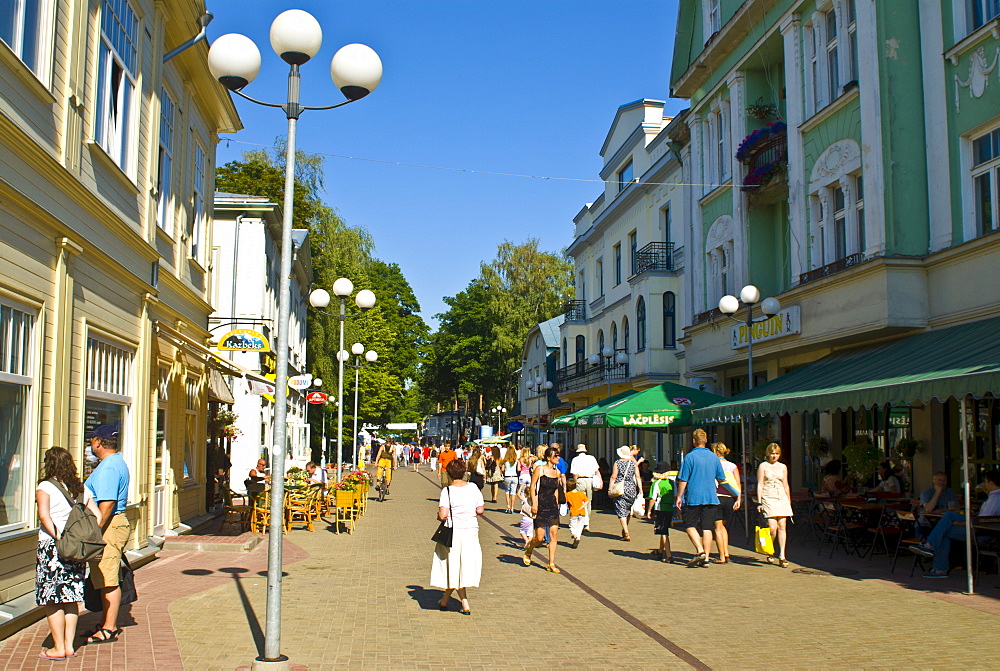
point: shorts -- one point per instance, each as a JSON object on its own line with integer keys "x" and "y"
{"x": 726, "y": 503}
{"x": 510, "y": 484}
{"x": 104, "y": 573}
{"x": 661, "y": 521}
{"x": 527, "y": 526}
{"x": 524, "y": 480}
{"x": 702, "y": 518}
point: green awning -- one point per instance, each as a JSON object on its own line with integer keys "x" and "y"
{"x": 572, "y": 419}
{"x": 939, "y": 364}
{"x": 657, "y": 408}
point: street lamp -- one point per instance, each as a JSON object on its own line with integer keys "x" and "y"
{"x": 365, "y": 300}
{"x": 729, "y": 305}
{"x": 607, "y": 353}
{"x": 540, "y": 386}
{"x": 356, "y": 70}
{"x": 371, "y": 356}
{"x": 499, "y": 410}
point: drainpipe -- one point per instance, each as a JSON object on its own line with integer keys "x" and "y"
{"x": 203, "y": 21}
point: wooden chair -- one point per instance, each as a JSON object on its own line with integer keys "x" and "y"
{"x": 300, "y": 506}
{"x": 344, "y": 509}
{"x": 260, "y": 520}
{"x": 907, "y": 523}
{"x": 990, "y": 547}
{"x": 238, "y": 515}
{"x": 844, "y": 530}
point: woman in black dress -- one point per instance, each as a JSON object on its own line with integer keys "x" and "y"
{"x": 624, "y": 471}
{"x": 547, "y": 491}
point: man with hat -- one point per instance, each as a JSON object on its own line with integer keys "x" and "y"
{"x": 584, "y": 467}
{"x": 108, "y": 484}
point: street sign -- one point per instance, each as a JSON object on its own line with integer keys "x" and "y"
{"x": 515, "y": 426}
{"x": 316, "y": 397}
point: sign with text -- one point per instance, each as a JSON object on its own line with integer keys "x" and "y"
{"x": 899, "y": 417}
{"x": 316, "y": 397}
{"x": 300, "y": 381}
{"x": 785, "y": 323}
{"x": 244, "y": 340}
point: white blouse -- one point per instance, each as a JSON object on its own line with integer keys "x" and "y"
{"x": 59, "y": 507}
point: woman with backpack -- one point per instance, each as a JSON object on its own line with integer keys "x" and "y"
{"x": 58, "y": 581}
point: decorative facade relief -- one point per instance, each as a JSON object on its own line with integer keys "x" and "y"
{"x": 979, "y": 75}
{"x": 840, "y": 158}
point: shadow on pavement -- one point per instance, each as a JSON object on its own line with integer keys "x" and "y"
{"x": 251, "y": 615}
{"x": 427, "y": 599}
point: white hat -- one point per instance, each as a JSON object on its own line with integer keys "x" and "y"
{"x": 624, "y": 452}
{"x": 581, "y": 448}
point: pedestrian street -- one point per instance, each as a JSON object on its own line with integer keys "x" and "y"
{"x": 360, "y": 601}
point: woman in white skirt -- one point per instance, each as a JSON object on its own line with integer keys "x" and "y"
{"x": 459, "y": 566}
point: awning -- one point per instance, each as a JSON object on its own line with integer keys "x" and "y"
{"x": 572, "y": 419}
{"x": 657, "y": 408}
{"x": 940, "y": 364}
{"x": 218, "y": 388}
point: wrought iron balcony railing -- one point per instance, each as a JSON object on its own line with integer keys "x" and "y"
{"x": 831, "y": 268}
{"x": 582, "y": 374}
{"x": 655, "y": 256}
{"x": 575, "y": 310}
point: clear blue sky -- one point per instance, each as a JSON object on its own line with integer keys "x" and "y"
{"x": 509, "y": 86}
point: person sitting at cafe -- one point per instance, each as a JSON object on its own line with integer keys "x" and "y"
{"x": 938, "y": 544}
{"x": 316, "y": 474}
{"x": 939, "y": 496}
{"x": 888, "y": 481}
{"x": 258, "y": 476}
{"x": 832, "y": 484}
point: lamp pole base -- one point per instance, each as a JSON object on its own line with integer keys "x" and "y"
{"x": 280, "y": 664}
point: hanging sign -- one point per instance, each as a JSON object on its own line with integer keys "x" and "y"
{"x": 300, "y": 381}
{"x": 785, "y": 323}
{"x": 514, "y": 426}
{"x": 244, "y": 340}
{"x": 316, "y": 397}
{"x": 899, "y": 417}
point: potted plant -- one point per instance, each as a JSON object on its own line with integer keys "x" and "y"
{"x": 817, "y": 446}
{"x": 760, "y": 446}
{"x": 906, "y": 448}
{"x": 862, "y": 460}
{"x": 762, "y": 110}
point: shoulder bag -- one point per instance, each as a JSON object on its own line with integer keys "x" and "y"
{"x": 443, "y": 535}
{"x": 81, "y": 538}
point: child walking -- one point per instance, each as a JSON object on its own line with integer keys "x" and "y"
{"x": 661, "y": 493}
{"x": 578, "y": 518}
{"x": 527, "y": 526}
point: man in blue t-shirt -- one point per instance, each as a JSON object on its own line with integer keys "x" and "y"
{"x": 562, "y": 466}
{"x": 697, "y": 501}
{"x": 108, "y": 484}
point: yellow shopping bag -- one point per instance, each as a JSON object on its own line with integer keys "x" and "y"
{"x": 762, "y": 541}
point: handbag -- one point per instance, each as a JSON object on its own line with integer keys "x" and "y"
{"x": 762, "y": 540}
{"x": 444, "y": 534}
{"x": 616, "y": 489}
{"x": 126, "y": 581}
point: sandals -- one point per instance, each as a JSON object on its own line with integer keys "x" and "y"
{"x": 44, "y": 654}
{"x": 771, "y": 559}
{"x": 107, "y": 636}
{"x": 551, "y": 568}
{"x": 783, "y": 563}
{"x": 526, "y": 559}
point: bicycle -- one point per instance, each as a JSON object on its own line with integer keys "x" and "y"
{"x": 382, "y": 484}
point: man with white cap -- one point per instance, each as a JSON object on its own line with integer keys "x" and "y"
{"x": 584, "y": 467}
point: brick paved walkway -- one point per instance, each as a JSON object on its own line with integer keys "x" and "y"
{"x": 360, "y": 601}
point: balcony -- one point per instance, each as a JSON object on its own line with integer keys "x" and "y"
{"x": 582, "y": 374}
{"x": 765, "y": 153}
{"x": 575, "y": 310}
{"x": 705, "y": 316}
{"x": 654, "y": 256}
{"x": 831, "y": 268}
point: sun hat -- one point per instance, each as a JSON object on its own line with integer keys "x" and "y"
{"x": 581, "y": 448}
{"x": 624, "y": 452}
{"x": 660, "y": 470}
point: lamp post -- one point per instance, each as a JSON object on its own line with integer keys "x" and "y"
{"x": 318, "y": 384}
{"x": 356, "y": 70}
{"x": 540, "y": 386}
{"x": 729, "y": 305}
{"x": 365, "y": 300}
{"x": 499, "y": 410}
{"x": 620, "y": 359}
{"x": 371, "y": 356}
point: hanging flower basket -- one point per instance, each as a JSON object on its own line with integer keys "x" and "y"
{"x": 758, "y": 137}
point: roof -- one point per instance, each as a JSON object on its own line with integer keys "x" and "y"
{"x": 550, "y": 331}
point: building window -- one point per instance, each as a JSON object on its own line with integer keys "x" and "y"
{"x": 986, "y": 181}
{"x": 24, "y": 27}
{"x": 714, "y": 16}
{"x": 859, "y": 208}
{"x": 109, "y": 394}
{"x": 839, "y": 222}
{"x": 625, "y": 333}
{"x": 600, "y": 276}
{"x": 583, "y": 287}
{"x": 191, "y": 404}
{"x": 668, "y": 235}
{"x": 614, "y": 336}
{"x": 669, "y": 320}
{"x": 600, "y": 341}
{"x": 17, "y": 371}
{"x": 852, "y": 39}
{"x": 633, "y": 247}
{"x": 625, "y": 175}
{"x": 116, "y": 76}
{"x": 581, "y": 353}
{"x": 164, "y": 191}
{"x": 832, "y": 66}
{"x": 197, "y": 224}
{"x": 640, "y": 324}
{"x": 984, "y": 11}
{"x": 565, "y": 353}
{"x": 618, "y": 264}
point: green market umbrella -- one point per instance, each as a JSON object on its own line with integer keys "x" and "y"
{"x": 657, "y": 408}
{"x": 573, "y": 418}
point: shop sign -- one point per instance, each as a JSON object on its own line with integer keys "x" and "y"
{"x": 316, "y": 397}
{"x": 244, "y": 340}
{"x": 785, "y": 323}
{"x": 654, "y": 419}
{"x": 899, "y": 417}
{"x": 300, "y": 381}
{"x": 515, "y": 426}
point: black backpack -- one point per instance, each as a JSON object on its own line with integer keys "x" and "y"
{"x": 81, "y": 539}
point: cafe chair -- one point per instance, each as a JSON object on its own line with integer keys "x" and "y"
{"x": 887, "y": 531}
{"x": 990, "y": 547}
{"x": 907, "y": 522}
{"x": 844, "y": 530}
{"x": 234, "y": 515}
{"x": 260, "y": 519}
{"x": 300, "y": 506}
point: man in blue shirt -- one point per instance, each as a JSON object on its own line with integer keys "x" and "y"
{"x": 562, "y": 466}
{"x": 697, "y": 500}
{"x": 939, "y": 496}
{"x": 108, "y": 484}
{"x": 938, "y": 544}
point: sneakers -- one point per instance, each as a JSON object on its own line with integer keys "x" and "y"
{"x": 936, "y": 574}
{"x": 576, "y": 542}
{"x": 923, "y": 549}
{"x": 696, "y": 561}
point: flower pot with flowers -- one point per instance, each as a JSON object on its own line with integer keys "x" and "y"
{"x": 862, "y": 460}
{"x": 762, "y": 110}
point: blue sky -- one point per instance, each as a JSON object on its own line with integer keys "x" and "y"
{"x": 503, "y": 86}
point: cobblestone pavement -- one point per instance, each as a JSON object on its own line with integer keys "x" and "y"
{"x": 361, "y": 601}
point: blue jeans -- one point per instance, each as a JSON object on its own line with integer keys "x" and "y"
{"x": 941, "y": 537}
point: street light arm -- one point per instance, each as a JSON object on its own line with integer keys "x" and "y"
{"x": 344, "y": 316}
{"x": 328, "y": 107}
{"x": 254, "y": 100}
